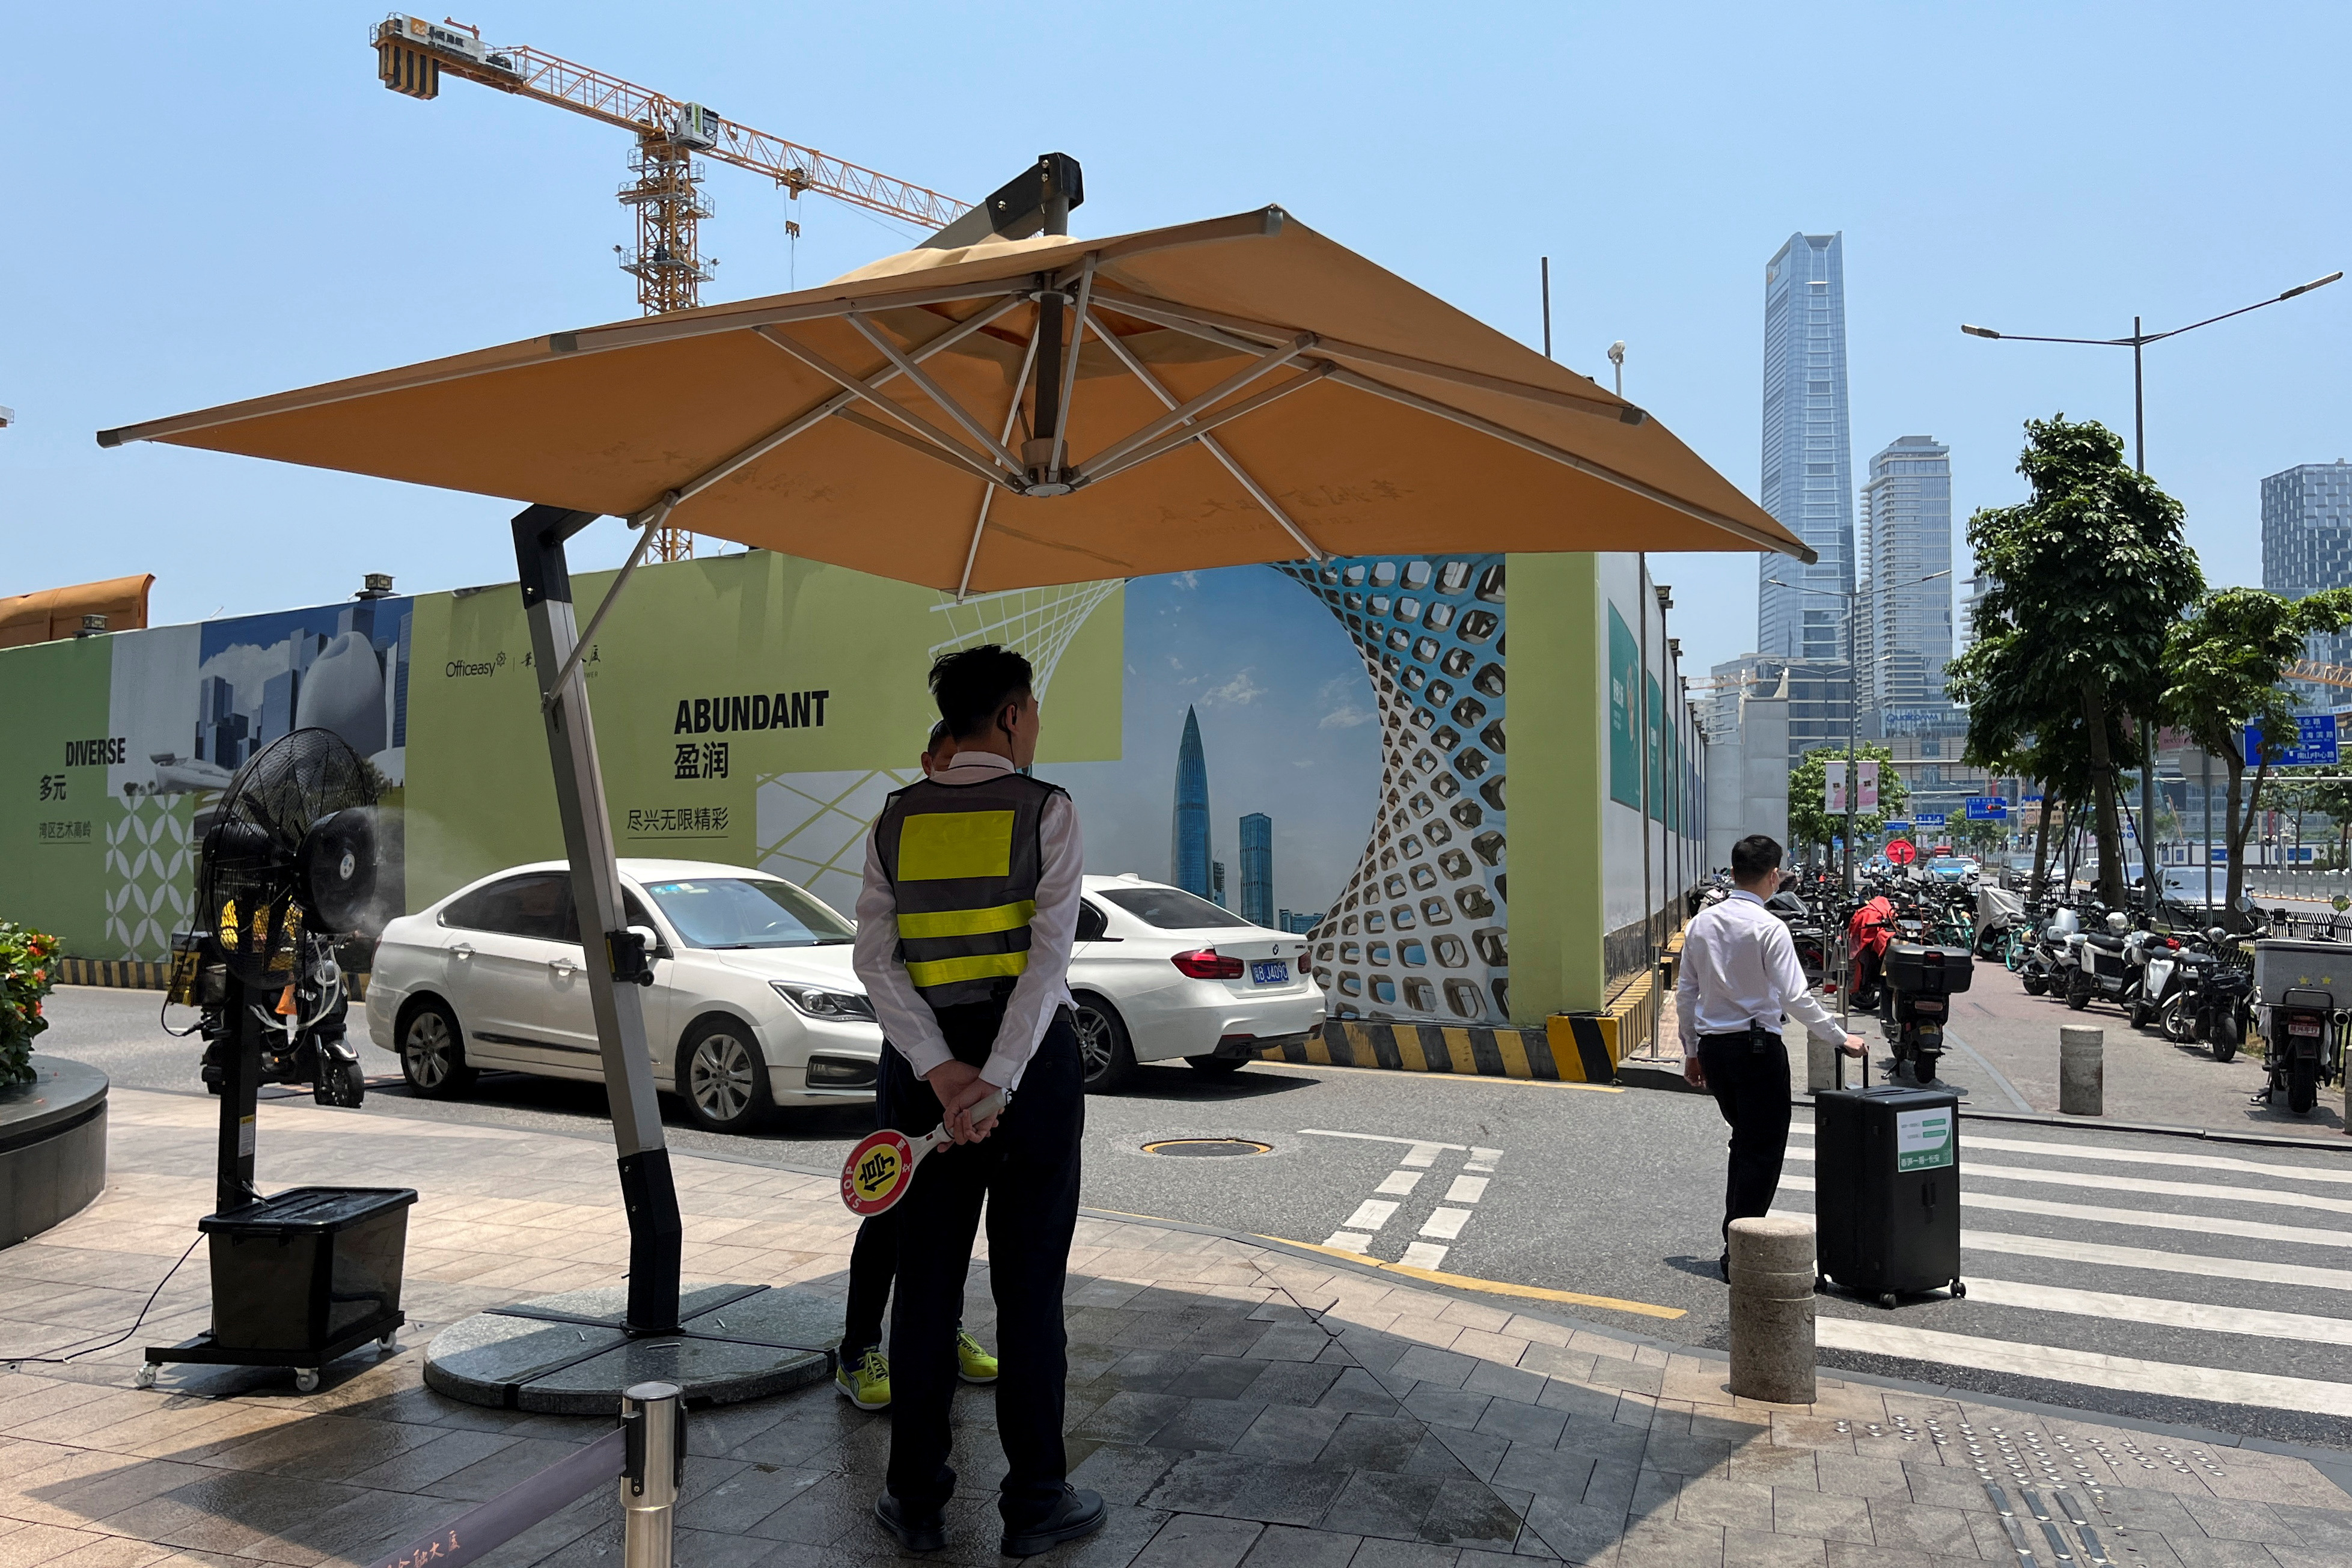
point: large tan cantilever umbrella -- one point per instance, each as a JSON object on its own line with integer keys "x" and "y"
{"x": 1240, "y": 389}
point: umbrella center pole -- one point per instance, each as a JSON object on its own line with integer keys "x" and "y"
{"x": 1037, "y": 453}
{"x": 617, "y": 964}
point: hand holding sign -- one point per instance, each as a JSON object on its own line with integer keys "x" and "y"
{"x": 879, "y": 1169}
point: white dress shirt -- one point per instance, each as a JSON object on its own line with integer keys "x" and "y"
{"x": 1739, "y": 967}
{"x": 907, "y": 1019}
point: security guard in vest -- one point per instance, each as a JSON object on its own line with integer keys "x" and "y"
{"x": 965, "y": 928}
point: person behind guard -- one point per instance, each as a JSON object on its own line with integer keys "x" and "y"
{"x": 861, "y": 1372}
{"x": 1739, "y": 975}
{"x": 964, "y": 929}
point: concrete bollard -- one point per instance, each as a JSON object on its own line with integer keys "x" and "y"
{"x": 1772, "y": 1310}
{"x": 2082, "y": 1077}
{"x": 1822, "y": 1070}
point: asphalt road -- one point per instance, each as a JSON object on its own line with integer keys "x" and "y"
{"x": 2183, "y": 1284}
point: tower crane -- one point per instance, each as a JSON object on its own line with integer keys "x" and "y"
{"x": 412, "y": 55}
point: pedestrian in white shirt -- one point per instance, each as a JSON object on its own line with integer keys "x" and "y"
{"x": 1739, "y": 977}
{"x": 965, "y": 928}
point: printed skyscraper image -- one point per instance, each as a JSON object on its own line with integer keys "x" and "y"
{"x": 1257, "y": 868}
{"x": 1187, "y": 849}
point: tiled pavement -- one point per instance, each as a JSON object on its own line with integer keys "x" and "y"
{"x": 1236, "y": 1404}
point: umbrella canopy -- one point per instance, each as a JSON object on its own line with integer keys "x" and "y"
{"x": 1243, "y": 390}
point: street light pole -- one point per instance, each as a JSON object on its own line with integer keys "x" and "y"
{"x": 2139, "y": 340}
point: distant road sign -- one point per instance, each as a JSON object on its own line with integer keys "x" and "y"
{"x": 1929, "y": 819}
{"x": 1898, "y": 828}
{"x": 2315, "y": 745}
{"x": 1988, "y": 809}
{"x": 1902, "y": 852}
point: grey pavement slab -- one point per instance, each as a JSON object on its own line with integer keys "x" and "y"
{"x": 1428, "y": 1428}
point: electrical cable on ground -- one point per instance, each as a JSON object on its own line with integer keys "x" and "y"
{"x": 13, "y": 1362}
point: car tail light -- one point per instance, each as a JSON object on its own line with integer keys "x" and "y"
{"x": 1208, "y": 963}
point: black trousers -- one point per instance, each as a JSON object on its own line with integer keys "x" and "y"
{"x": 1027, "y": 1171}
{"x": 1749, "y": 1080}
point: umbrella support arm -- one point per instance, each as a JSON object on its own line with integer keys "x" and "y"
{"x": 615, "y": 957}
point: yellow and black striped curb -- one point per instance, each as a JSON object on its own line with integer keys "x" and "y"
{"x": 125, "y": 974}
{"x": 1573, "y": 1047}
{"x": 140, "y": 974}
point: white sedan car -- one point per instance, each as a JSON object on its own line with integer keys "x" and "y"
{"x": 1160, "y": 973}
{"x": 754, "y": 1003}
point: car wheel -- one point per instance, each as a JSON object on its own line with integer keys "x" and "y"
{"x": 721, "y": 1076}
{"x": 433, "y": 1051}
{"x": 1104, "y": 1049}
{"x": 1216, "y": 1066}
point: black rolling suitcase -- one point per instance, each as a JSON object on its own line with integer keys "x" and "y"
{"x": 1887, "y": 1194}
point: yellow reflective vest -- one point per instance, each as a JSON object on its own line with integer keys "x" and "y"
{"x": 962, "y": 861}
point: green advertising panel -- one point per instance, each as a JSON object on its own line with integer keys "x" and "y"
{"x": 1624, "y": 750}
{"x": 61, "y": 819}
{"x": 1657, "y": 740}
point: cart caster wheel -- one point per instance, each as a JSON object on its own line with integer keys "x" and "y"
{"x": 1887, "y": 1300}
{"x": 305, "y": 1380}
{"x": 1958, "y": 1289}
{"x": 389, "y": 1345}
{"x": 146, "y": 1378}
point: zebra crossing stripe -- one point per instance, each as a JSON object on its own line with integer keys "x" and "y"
{"x": 2119, "y": 1308}
{"x": 2153, "y": 1157}
{"x": 2100, "y": 1181}
{"x": 2059, "y": 1364}
{"x": 2260, "y": 1271}
{"x": 2148, "y": 1218}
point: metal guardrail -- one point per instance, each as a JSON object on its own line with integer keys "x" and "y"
{"x": 647, "y": 1453}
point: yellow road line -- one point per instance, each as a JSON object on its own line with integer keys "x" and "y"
{"x": 1490, "y": 1287}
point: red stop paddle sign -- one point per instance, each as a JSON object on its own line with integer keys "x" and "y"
{"x": 875, "y": 1171}
{"x": 1901, "y": 851}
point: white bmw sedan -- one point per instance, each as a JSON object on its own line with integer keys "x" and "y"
{"x": 1160, "y": 973}
{"x": 754, "y": 1003}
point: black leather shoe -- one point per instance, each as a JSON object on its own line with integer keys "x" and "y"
{"x": 916, "y": 1529}
{"x": 1078, "y": 1513}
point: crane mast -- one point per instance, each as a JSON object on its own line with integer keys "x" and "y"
{"x": 412, "y": 55}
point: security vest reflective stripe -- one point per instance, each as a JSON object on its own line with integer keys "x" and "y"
{"x": 962, "y": 862}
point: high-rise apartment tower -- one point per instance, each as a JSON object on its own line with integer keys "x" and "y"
{"x": 2308, "y": 544}
{"x": 1905, "y": 639}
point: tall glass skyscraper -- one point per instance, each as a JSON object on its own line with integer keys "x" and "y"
{"x": 2308, "y": 547}
{"x": 1905, "y": 639}
{"x": 1188, "y": 850}
{"x": 1257, "y": 868}
{"x": 1808, "y": 481}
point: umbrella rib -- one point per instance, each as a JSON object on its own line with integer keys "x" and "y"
{"x": 1126, "y": 357}
{"x": 921, "y": 428}
{"x": 801, "y": 424}
{"x": 1346, "y": 378}
{"x": 936, "y": 392}
{"x": 1236, "y": 332}
{"x": 953, "y": 456}
{"x": 1108, "y": 459}
{"x": 1070, "y": 368}
{"x": 663, "y": 329}
{"x": 1203, "y": 423}
{"x": 987, "y": 493}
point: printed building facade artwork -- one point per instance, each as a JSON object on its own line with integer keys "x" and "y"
{"x": 1328, "y": 736}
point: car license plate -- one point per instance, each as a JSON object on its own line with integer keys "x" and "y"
{"x": 1274, "y": 972}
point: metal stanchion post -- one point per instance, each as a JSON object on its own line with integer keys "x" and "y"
{"x": 655, "y": 1416}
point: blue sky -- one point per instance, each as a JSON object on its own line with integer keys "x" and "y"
{"x": 215, "y": 203}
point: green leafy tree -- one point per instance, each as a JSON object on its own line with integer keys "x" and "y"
{"x": 2087, "y": 575}
{"x": 1810, "y": 821}
{"x": 2224, "y": 664}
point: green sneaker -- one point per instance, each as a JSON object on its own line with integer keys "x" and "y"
{"x": 865, "y": 1382}
{"x": 974, "y": 1364}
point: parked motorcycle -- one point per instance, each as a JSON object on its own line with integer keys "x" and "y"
{"x": 1921, "y": 980}
{"x": 2000, "y": 923}
{"x": 2304, "y": 1051}
{"x": 2209, "y": 997}
{"x": 2103, "y": 969}
{"x": 2046, "y": 963}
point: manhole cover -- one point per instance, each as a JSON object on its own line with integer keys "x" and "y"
{"x": 1207, "y": 1147}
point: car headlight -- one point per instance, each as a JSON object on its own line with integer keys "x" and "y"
{"x": 816, "y": 1002}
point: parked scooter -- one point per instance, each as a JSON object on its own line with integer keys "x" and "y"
{"x": 2302, "y": 1049}
{"x": 2104, "y": 970}
{"x": 2000, "y": 923}
{"x": 1920, "y": 983}
{"x": 2208, "y": 999}
{"x": 2047, "y": 963}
